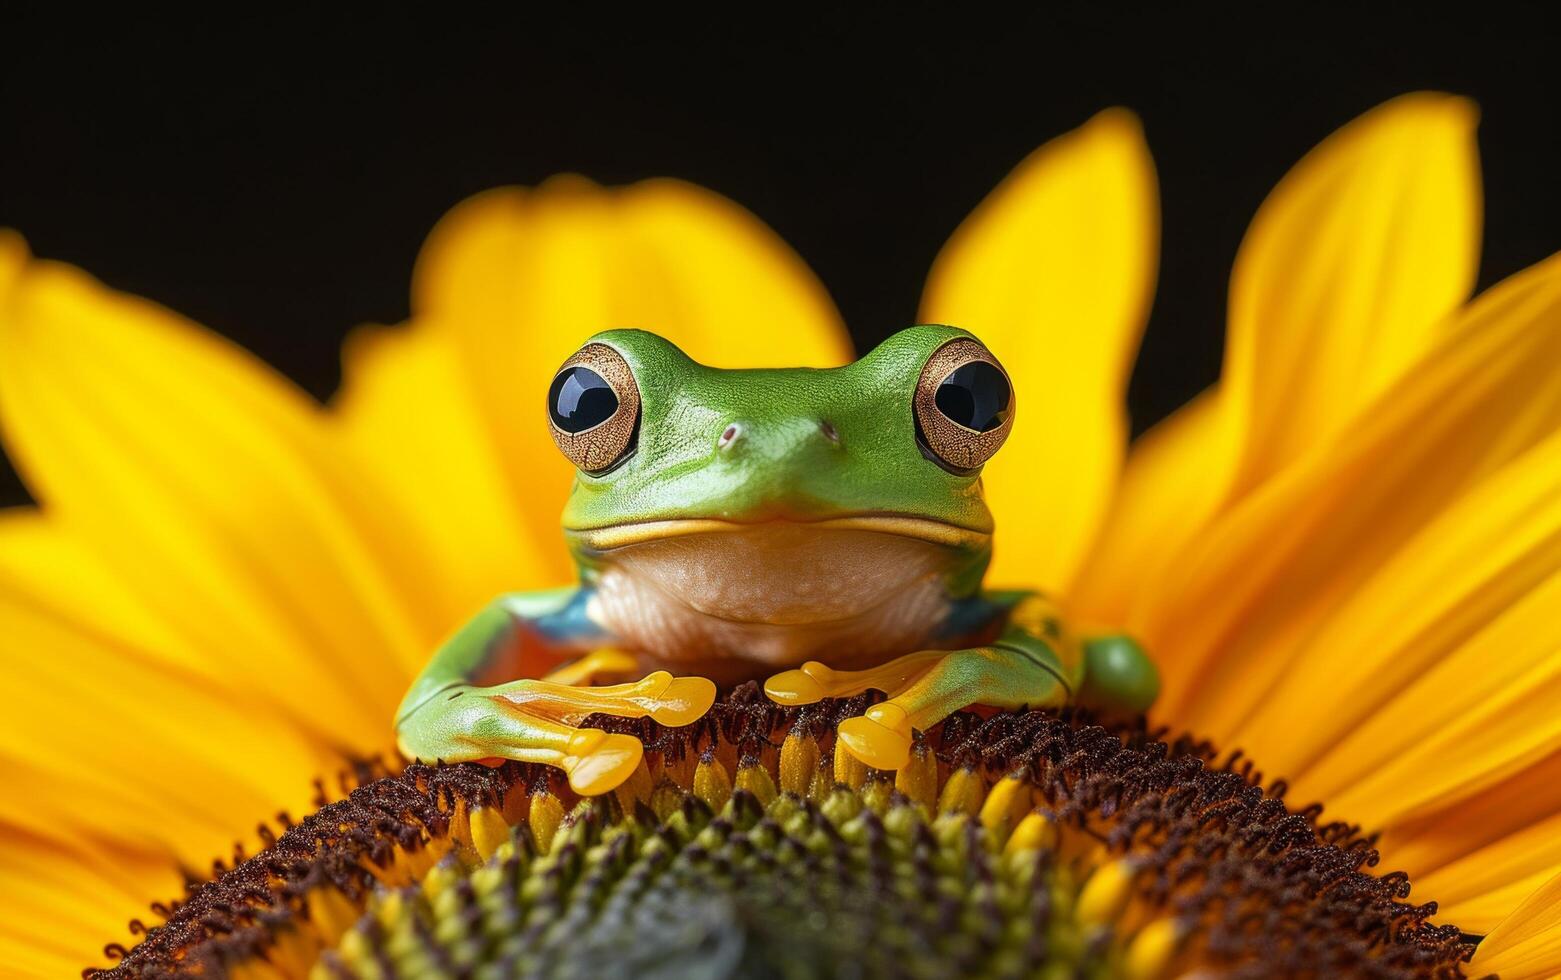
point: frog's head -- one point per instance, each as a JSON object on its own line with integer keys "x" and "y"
{"x": 891, "y": 444}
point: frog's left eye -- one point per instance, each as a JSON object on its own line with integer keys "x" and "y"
{"x": 964, "y": 405}
{"x": 593, "y": 408}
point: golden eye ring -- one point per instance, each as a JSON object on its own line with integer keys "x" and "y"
{"x": 964, "y": 405}
{"x": 593, "y": 408}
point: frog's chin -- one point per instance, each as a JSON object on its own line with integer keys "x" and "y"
{"x": 605, "y": 539}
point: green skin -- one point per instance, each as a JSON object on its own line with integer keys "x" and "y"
{"x": 481, "y": 696}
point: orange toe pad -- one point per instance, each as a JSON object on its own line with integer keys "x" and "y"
{"x": 881, "y": 738}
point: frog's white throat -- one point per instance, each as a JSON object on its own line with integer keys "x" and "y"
{"x": 747, "y": 598}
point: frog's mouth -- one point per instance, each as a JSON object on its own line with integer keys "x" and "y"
{"x": 603, "y": 539}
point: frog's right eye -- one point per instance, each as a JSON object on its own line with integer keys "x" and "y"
{"x": 593, "y": 408}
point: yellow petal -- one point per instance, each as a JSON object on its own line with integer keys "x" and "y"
{"x": 1438, "y": 844}
{"x": 409, "y": 411}
{"x": 122, "y": 762}
{"x": 1515, "y": 727}
{"x": 102, "y": 741}
{"x": 511, "y": 282}
{"x": 1260, "y": 581}
{"x": 545, "y": 268}
{"x": 110, "y": 699}
{"x": 1054, "y": 272}
{"x": 1344, "y": 280}
{"x": 62, "y": 578}
{"x": 1348, "y": 272}
{"x": 1168, "y": 489}
{"x": 1527, "y": 944}
{"x": 212, "y": 489}
{"x": 64, "y": 903}
{"x": 1484, "y": 886}
{"x": 1460, "y": 620}
{"x": 1480, "y": 856}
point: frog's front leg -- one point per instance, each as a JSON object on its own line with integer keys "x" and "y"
{"x": 1033, "y": 663}
{"x": 468, "y": 704}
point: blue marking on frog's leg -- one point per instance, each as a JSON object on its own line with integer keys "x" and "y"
{"x": 559, "y": 615}
{"x": 977, "y": 615}
{"x": 490, "y": 645}
{"x": 471, "y": 702}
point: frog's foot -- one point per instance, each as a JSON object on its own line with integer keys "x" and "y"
{"x": 672, "y": 701}
{"x": 536, "y": 721}
{"x": 923, "y": 688}
{"x": 814, "y": 681}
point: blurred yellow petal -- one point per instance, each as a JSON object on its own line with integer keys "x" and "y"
{"x": 1259, "y": 581}
{"x": 1481, "y": 888}
{"x": 1436, "y": 838}
{"x": 512, "y": 281}
{"x": 106, "y": 744}
{"x": 1494, "y": 670}
{"x": 1485, "y": 852}
{"x": 121, "y": 764}
{"x": 62, "y": 577}
{"x": 1527, "y": 944}
{"x": 1459, "y": 620}
{"x": 1054, "y": 272}
{"x": 548, "y": 267}
{"x": 64, "y": 902}
{"x": 1168, "y": 489}
{"x": 108, "y": 690}
{"x": 210, "y": 487}
{"x": 1346, "y": 277}
{"x": 1348, "y": 273}
{"x": 1513, "y": 728}
{"x": 409, "y": 410}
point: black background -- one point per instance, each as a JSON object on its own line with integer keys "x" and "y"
{"x": 273, "y": 179}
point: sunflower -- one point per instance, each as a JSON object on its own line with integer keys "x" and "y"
{"x": 1345, "y": 557}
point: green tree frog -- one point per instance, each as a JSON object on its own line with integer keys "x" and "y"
{"x": 746, "y": 524}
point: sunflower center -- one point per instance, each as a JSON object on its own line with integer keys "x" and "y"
{"x": 1013, "y": 845}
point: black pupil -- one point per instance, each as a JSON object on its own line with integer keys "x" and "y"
{"x": 975, "y": 395}
{"x": 580, "y": 399}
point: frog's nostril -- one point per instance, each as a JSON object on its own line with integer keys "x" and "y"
{"x": 829, "y": 431}
{"x": 731, "y": 434}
